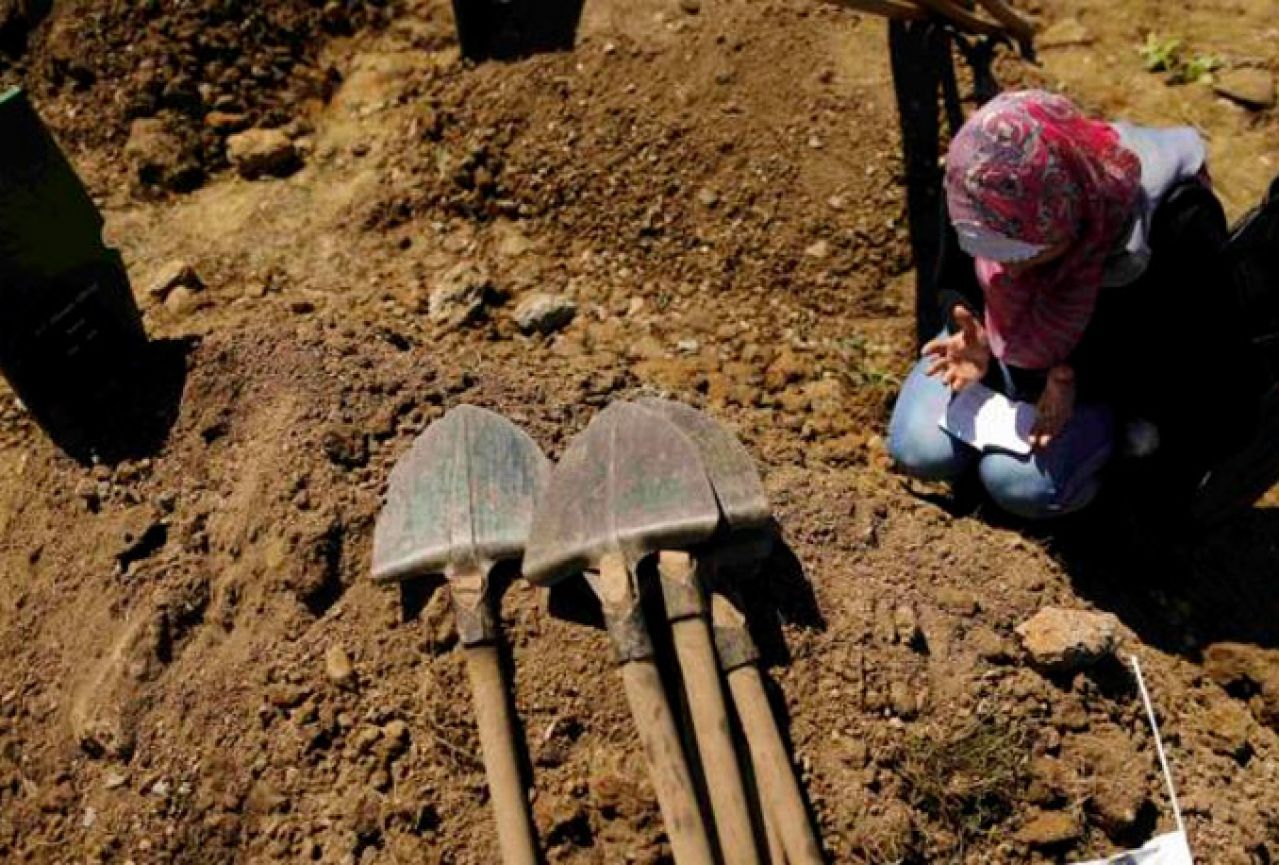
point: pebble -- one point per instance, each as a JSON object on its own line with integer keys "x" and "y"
{"x": 181, "y": 302}
{"x": 1251, "y": 88}
{"x": 819, "y": 249}
{"x": 461, "y": 296}
{"x": 262, "y": 152}
{"x": 1063, "y": 641}
{"x": 544, "y": 313}
{"x": 174, "y": 274}
{"x": 691, "y": 7}
{"x": 337, "y": 665}
{"x": 906, "y": 626}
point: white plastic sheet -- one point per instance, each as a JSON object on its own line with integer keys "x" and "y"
{"x": 1170, "y": 849}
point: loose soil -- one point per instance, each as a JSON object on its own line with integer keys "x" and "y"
{"x": 721, "y": 195}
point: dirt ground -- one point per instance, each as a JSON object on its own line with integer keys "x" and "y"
{"x": 720, "y": 193}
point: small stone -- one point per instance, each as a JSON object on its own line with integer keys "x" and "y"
{"x": 114, "y": 780}
{"x": 544, "y": 313}
{"x": 707, "y": 197}
{"x": 691, "y": 7}
{"x": 175, "y": 274}
{"x": 1064, "y": 33}
{"x": 1061, "y": 640}
{"x": 461, "y": 296}
{"x": 261, "y": 152}
{"x": 1049, "y": 829}
{"x": 819, "y": 249}
{"x": 181, "y": 302}
{"x": 160, "y": 158}
{"x": 337, "y": 665}
{"x": 365, "y": 738}
{"x": 226, "y": 122}
{"x": 1251, "y": 88}
{"x": 906, "y": 627}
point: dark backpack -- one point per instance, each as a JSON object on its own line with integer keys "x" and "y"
{"x": 1252, "y": 253}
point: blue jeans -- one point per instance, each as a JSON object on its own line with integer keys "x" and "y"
{"x": 1060, "y": 479}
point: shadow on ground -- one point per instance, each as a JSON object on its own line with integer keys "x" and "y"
{"x": 1179, "y": 592}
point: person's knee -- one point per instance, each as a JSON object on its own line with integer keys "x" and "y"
{"x": 926, "y": 454}
{"x": 1019, "y": 487}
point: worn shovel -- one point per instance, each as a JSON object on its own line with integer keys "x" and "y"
{"x": 460, "y": 501}
{"x": 625, "y": 488}
{"x": 747, "y": 540}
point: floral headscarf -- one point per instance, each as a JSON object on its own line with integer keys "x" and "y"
{"x": 1026, "y": 173}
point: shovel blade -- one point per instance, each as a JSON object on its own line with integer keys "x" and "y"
{"x": 729, "y": 465}
{"x": 631, "y": 483}
{"x": 462, "y": 497}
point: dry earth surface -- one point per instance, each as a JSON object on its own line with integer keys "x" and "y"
{"x": 198, "y": 668}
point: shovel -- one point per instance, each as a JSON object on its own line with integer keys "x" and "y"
{"x": 625, "y": 488}
{"x": 459, "y": 502}
{"x": 747, "y": 516}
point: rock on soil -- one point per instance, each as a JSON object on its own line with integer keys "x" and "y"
{"x": 461, "y": 296}
{"x": 337, "y": 665}
{"x": 1251, "y": 88}
{"x": 544, "y": 313}
{"x": 1063, "y": 641}
{"x": 263, "y": 152}
{"x": 174, "y": 274}
{"x": 160, "y": 157}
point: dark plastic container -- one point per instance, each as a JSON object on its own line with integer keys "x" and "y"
{"x": 509, "y": 29}
{"x": 70, "y": 330}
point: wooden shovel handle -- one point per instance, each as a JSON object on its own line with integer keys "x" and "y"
{"x": 666, "y": 765}
{"x": 775, "y": 775}
{"x": 693, "y": 646}
{"x": 962, "y": 18}
{"x": 501, "y": 761}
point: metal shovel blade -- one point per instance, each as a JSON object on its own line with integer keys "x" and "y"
{"x": 729, "y": 465}
{"x": 631, "y": 483}
{"x": 463, "y": 496}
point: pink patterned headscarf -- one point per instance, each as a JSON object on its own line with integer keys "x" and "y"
{"x": 1026, "y": 173}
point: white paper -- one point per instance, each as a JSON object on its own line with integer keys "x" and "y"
{"x": 1170, "y": 849}
{"x": 988, "y": 420}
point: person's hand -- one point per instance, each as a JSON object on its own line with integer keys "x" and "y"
{"x": 1056, "y": 405}
{"x": 962, "y": 358}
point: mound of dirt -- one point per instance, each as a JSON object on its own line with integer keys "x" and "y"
{"x": 203, "y": 70}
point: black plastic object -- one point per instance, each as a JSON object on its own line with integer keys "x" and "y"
{"x": 70, "y": 331}
{"x": 509, "y": 29}
{"x": 1253, "y": 254}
